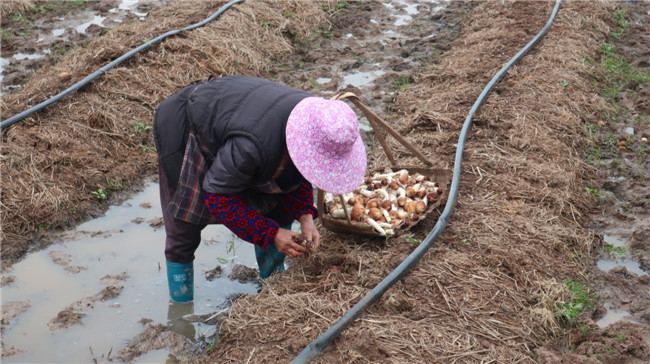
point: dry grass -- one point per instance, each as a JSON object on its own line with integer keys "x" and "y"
{"x": 485, "y": 292}
{"x": 52, "y": 161}
{"x": 11, "y": 7}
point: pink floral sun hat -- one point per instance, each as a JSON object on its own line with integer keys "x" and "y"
{"x": 325, "y": 145}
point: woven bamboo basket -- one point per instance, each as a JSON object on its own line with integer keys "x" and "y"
{"x": 441, "y": 176}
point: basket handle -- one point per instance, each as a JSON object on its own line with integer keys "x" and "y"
{"x": 376, "y": 122}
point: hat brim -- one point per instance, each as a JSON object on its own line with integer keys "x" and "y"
{"x": 335, "y": 174}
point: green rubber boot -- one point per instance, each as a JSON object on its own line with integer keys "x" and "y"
{"x": 180, "y": 277}
{"x": 270, "y": 260}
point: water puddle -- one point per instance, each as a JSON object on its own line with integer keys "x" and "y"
{"x": 613, "y": 315}
{"x": 22, "y": 56}
{"x": 49, "y": 30}
{"x": 361, "y": 79}
{"x": 629, "y": 265}
{"x": 124, "y": 248}
{"x": 613, "y": 240}
{"x": 617, "y": 246}
{"x": 97, "y": 20}
{"x": 402, "y": 19}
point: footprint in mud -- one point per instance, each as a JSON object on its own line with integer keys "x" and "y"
{"x": 63, "y": 259}
{"x": 12, "y": 309}
{"x": 114, "y": 280}
{"x": 156, "y": 337}
{"x": 73, "y": 314}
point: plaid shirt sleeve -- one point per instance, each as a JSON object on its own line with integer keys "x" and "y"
{"x": 241, "y": 219}
{"x": 300, "y": 201}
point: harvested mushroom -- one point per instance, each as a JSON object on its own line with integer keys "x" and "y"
{"x": 358, "y": 212}
{"x": 303, "y": 241}
{"x": 389, "y": 200}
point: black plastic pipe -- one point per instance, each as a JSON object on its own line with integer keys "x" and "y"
{"x": 101, "y": 71}
{"x": 320, "y": 343}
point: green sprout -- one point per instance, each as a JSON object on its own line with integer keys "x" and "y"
{"x": 595, "y": 193}
{"x": 101, "y": 193}
{"x": 141, "y": 127}
{"x": 582, "y": 298}
{"x": 614, "y": 250}
{"x": 412, "y": 240}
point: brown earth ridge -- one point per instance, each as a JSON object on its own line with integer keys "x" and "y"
{"x": 527, "y": 216}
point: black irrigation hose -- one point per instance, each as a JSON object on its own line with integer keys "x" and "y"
{"x": 320, "y": 343}
{"x": 101, "y": 71}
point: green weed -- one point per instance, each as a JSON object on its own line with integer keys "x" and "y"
{"x": 213, "y": 343}
{"x": 594, "y": 192}
{"x": 114, "y": 185}
{"x": 20, "y": 18}
{"x": 564, "y": 83}
{"x": 582, "y": 298}
{"x": 58, "y": 50}
{"x": 623, "y": 24}
{"x": 101, "y": 193}
{"x": 614, "y": 250}
{"x": 141, "y": 127}
{"x": 618, "y": 70}
{"x": 339, "y": 5}
{"x": 314, "y": 83}
{"x": 6, "y": 36}
{"x": 402, "y": 84}
{"x": 42, "y": 9}
{"x": 412, "y": 240}
{"x": 74, "y": 3}
{"x": 286, "y": 14}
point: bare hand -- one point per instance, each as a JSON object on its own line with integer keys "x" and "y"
{"x": 309, "y": 229}
{"x": 287, "y": 246}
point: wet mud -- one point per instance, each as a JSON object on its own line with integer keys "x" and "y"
{"x": 373, "y": 49}
{"x": 103, "y": 286}
{"x": 42, "y": 33}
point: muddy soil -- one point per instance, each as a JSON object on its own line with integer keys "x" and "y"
{"x": 157, "y": 337}
{"x": 40, "y": 34}
{"x": 617, "y": 328}
{"x": 366, "y": 54}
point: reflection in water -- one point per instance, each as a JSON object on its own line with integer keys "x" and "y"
{"x": 630, "y": 265}
{"x": 613, "y": 315}
{"x": 175, "y": 321}
{"x": 95, "y": 255}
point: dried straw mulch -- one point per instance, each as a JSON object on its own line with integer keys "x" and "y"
{"x": 15, "y": 7}
{"x": 53, "y": 160}
{"x": 485, "y": 292}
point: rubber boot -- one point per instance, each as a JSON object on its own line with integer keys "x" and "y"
{"x": 270, "y": 260}
{"x": 180, "y": 277}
